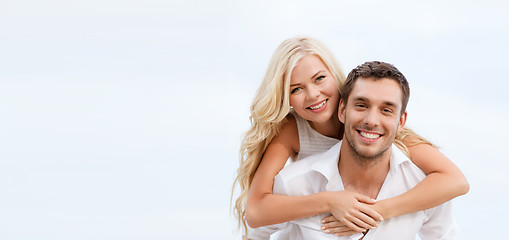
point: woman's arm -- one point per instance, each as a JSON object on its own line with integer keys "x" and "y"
{"x": 265, "y": 208}
{"x": 444, "y": 181}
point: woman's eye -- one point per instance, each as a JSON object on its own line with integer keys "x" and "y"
{"x": 295, "y": 90}
{"x": 320, "y": 78}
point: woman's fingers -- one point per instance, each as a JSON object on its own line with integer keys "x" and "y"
{"x": 330, "y": 218}
{"x": 370, "y": 212}
{"x": 335, "y": 230}
{"x": 350, "y": 221}
{"x": 353, "y": 224}
{"x": 364, "y": 220}
{"x": 334, "y": 224}
{"x": 348, "y": 226}
{"x": 365, "y": 199}
{"x": 360, "y": 221}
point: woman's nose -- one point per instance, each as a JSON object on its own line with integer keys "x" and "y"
{"x": 314, "y": 92}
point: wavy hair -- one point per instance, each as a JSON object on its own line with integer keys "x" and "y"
{"x": 270, "y": 107}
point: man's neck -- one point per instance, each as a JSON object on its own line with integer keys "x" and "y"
{"x": 365, "y": 176}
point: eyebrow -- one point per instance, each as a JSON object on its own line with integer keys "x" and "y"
{"x": 387, "y": 103}
{"x": 391, "y": 104}
{"x": 316, "y": 74}
{"x": 312, "y": 77}
{"x": 362, "y": 99}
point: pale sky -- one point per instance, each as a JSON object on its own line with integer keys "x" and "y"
{"x": 123, "y": 119}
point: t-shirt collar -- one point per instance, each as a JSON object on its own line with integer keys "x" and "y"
{"x": 327, "y": 164}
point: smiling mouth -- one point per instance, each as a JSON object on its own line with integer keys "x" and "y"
{"x": 318, "y": 105}
{"x": 369, "y": 135}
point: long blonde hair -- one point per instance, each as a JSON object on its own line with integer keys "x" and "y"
{"x": 270, "y": 107}
{"x": 407, "y": 138}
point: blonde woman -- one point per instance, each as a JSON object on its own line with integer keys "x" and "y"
{"x": 304, "y": 75}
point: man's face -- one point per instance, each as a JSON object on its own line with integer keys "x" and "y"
{"x": 372, "y": 116}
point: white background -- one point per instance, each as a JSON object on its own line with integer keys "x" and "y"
{"x": 122, "y": 119}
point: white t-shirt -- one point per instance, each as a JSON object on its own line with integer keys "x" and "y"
{"x": 319, "y": 173}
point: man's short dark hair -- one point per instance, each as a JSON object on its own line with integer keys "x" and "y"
{"x": 376, "y": 70}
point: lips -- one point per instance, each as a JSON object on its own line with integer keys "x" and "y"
{"x": 319, "y": 106}
{"x": 369, "y": 136}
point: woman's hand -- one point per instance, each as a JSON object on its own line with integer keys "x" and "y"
{"x": 333, "y": 226}
{"x": 353, "y": 211}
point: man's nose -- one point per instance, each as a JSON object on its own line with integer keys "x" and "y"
{"x": 372, "y": 118}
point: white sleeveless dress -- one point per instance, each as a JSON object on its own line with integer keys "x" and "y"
{"x": 310, "y": 141}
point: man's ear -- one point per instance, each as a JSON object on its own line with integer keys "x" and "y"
{"x": 341, "y": 111}
{"x": 402, "y": 121}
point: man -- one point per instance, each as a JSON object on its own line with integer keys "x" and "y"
{"x": 373, "y": 110}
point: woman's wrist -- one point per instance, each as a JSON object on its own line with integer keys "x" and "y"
{"x": 325, "y": 201}
{"x": 383, "y": 207}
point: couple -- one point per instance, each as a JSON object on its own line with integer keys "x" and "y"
{"x": 372, "y": 110}
{"x": 304, "y": 76}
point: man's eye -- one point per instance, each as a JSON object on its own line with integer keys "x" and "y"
{"x": 387, "y": 110}
{"x": 360, "y": 105}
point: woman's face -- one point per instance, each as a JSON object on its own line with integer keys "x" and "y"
{"x": 313, "y": 91}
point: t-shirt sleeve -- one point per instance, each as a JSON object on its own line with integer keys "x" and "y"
{"x": 263, "y": 233}
{"x": 279, "y": 186}
{"x": 440, "y": 224}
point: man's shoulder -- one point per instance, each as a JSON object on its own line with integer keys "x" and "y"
{"x": 305, "y": 165}
{"x": 307, "y": 170}
{"x": 404, "y": 165}
{"x": 300, "y": 168}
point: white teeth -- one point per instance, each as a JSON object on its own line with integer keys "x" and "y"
{"x": 318, "y": 106}
{"x": 370, "y": 135}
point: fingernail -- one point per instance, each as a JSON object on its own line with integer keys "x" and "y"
{"x": 381, "y": 219}
{"x": 323, "y": 227}
{"x": 323, "y": 221}
{"x": 327, "y": 231}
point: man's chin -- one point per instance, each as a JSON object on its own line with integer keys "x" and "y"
{"x": 369, "y": 153}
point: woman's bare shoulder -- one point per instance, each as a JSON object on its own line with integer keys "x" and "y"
{"x": 289, "y": 133}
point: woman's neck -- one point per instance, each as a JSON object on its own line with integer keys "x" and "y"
{"x": 332, "y": 128}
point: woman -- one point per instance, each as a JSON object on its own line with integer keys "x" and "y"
{"x": 303, "y": 74}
